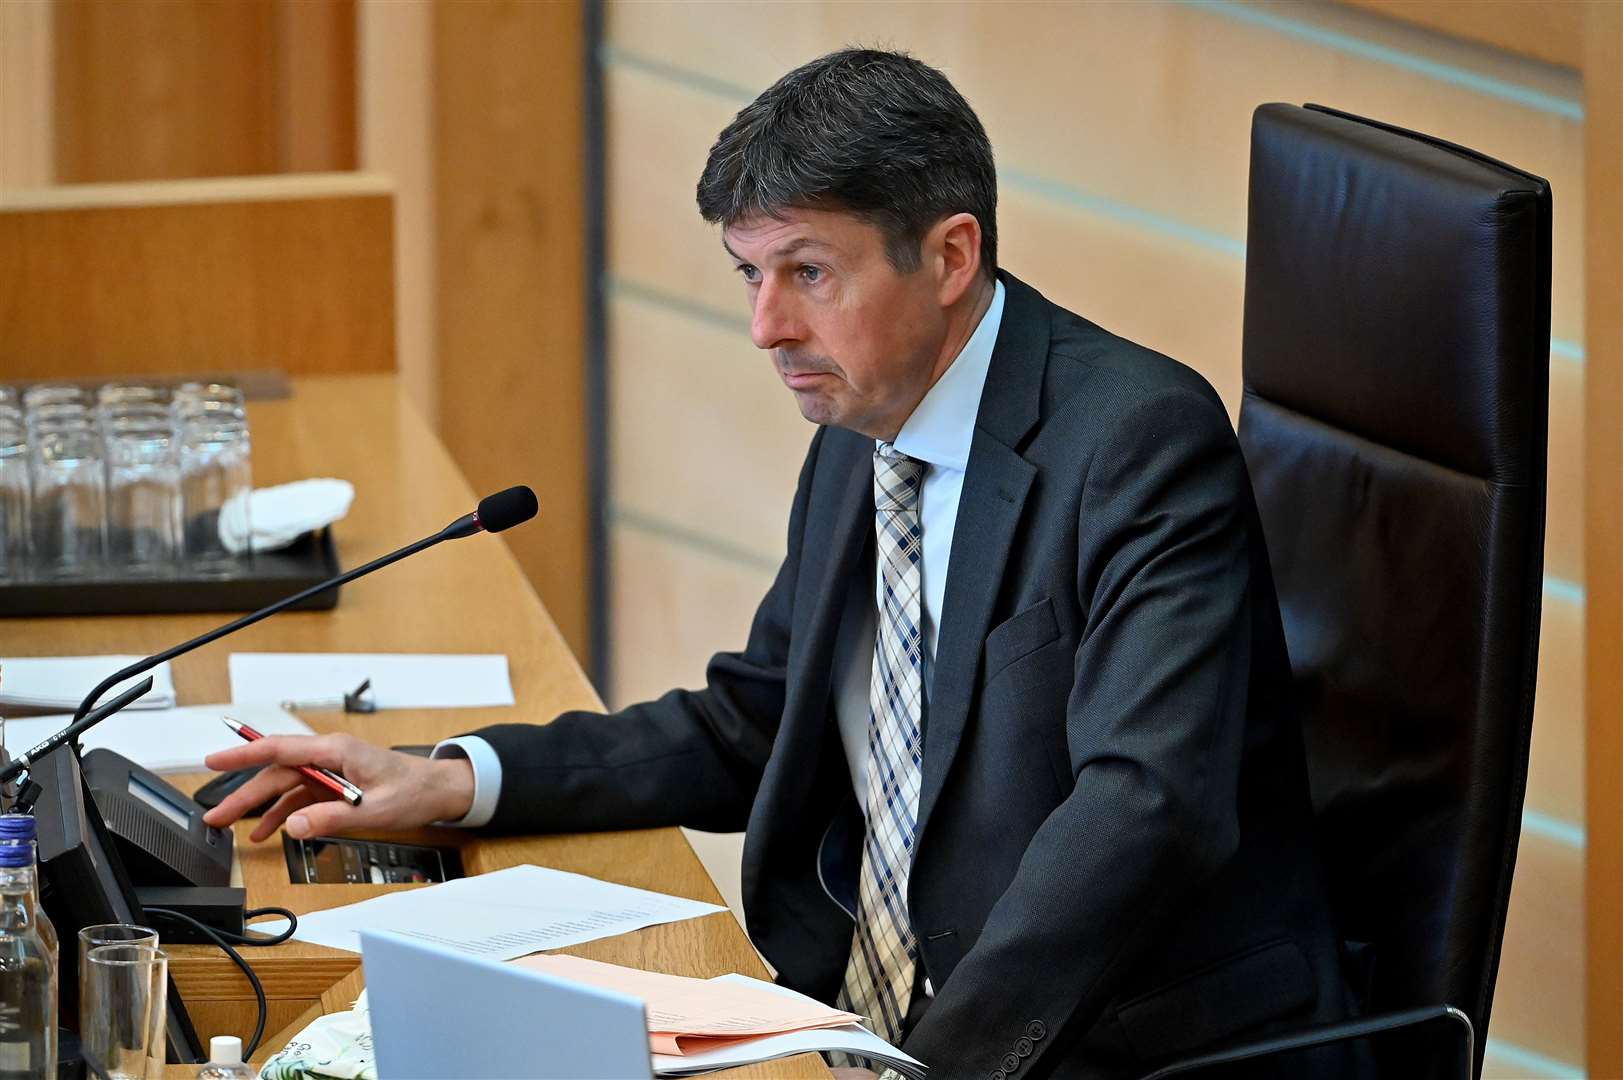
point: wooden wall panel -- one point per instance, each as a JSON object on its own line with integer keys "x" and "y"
{"x": 159, "y": 89}
{"x": 1603, "y": 553}
{"x": 658, "y": 584}
{"x": 170, "y": 89}
{"x": 27, "y": 157}
{"x": 510, "y": 258}
{"x": 175, "y": 276}
{"x": 315, "y": 85}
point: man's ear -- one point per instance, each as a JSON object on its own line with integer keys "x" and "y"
{"x": 955, "y": 245}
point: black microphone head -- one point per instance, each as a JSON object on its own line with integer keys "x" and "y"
{"x": 507, "y": 508}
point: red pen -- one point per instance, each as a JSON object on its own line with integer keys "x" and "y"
{"x": 325, "y": 777}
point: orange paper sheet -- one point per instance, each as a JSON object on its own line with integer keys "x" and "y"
{"x": 687, "y": 1015}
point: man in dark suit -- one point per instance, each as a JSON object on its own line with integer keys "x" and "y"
{"x": 1010, "y": 739}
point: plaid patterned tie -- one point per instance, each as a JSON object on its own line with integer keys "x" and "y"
{"x": 879, "y": 975}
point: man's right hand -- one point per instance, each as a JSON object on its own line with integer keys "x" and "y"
{"x": 400, "y": 791}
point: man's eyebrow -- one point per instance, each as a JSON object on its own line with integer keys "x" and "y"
{"x": 783, "y": 252}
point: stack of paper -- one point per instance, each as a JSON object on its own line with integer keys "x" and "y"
{"x": 399, "y": 680}
{"x": 503, "y": 914}
{"x": 165, "y": 741}
{"x": 61, "y": 682}
{"x": 699, "y": 1025}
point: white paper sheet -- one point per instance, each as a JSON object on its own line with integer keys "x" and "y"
{"x": 853, "y": 1038}
{"x": 399, "y": 680}
{"x": 61, "y": 682}
{"x": 503, "y": 914}
{"x": 165, "y": 740}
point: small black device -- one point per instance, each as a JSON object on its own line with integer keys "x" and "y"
{"x": 160, "y": 832}
{"x": 214, "y": 792}
{"x": 340, "y": 860}
{"x": 82, "y": 883}
{"x": 218, "y": 909}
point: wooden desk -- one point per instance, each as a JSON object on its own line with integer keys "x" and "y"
{"x": 465, "y": 596}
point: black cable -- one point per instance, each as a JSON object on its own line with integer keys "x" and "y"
{"x": 236, "y": 958}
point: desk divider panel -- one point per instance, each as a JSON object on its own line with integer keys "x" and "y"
{"x": 289, "y": 272}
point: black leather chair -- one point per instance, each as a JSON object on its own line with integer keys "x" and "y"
{"x": 1396, "y": 362}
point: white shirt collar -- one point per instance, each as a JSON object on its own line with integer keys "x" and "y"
{"x": 943, "y": 425}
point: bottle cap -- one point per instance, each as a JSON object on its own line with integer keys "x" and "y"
{"x": 18, "y": 827}
{"x": 225, "y": 1050}
{"x": 16, "y": 853}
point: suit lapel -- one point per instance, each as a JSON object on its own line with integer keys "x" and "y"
{"x": 835, "y": 558}
{"x": 996, "y": 483}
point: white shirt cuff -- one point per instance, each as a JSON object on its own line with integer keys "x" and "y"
{"x": 487, "y": 777}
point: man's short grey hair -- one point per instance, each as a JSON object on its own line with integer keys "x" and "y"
{"x": 872, "y": 132}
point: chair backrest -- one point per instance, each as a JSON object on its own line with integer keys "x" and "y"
{"x": 1396, "y": 361}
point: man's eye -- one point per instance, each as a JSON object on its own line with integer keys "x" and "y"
{"x": 811, "y": 273}
{"x": 749, "y": 272}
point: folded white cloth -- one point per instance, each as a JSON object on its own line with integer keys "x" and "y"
{"x": 274, "y": 517}
{"x": 336, "y": 1046}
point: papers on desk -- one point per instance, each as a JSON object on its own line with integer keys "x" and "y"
{"x": 164, "y": 740}
{"x": 699, "y": 1025}
{"x": 399, "y": 680}
{"x": 503, "y": 914}
{"x": 851, "y": 1038}
{"x": 61, "y": 682}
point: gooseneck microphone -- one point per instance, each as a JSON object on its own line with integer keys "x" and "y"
{"x": 495, "y": 513}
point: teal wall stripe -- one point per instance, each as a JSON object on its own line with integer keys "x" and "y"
{"x": 614, "y": 57}
{"x": 1076, "y": 198}
{"x": 694, "y": 540}
{"x": 1269, "y": 18}
{"x": 1561, "y": 589}
{"x": 619, "y": 288}
{"x": 1537, "y": 1065}
{"x": 1557, "y": 829}
{"x": 1562, "y": 349}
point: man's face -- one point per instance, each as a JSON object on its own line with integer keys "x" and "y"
{"x": 853, "y": 339}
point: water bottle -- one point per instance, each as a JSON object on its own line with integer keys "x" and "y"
{"x": 225, "y": 1060}
{"x": 21, "y": 829}
{"x": 27, "y": 973}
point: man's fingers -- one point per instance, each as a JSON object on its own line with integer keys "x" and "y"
{"x": 295, "y": 799}
{"x": 325, "y": 751}
{"x": 328, "y": 817}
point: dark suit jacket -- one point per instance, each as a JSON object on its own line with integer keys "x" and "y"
{"x": 1113, "y": 861}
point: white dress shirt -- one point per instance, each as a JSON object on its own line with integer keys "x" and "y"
{"x": 938, "y": 433}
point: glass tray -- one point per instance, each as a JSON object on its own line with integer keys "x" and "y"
{"x": 263, "y": 578}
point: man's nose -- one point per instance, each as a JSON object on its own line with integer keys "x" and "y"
{"x": 773, "y": 322}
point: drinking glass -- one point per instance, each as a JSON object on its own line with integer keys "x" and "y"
{"x": 201, "y": 391}
{"x": 143, "y": 495}
{"x": 215, "y": 482}
{"x": 150, "y": 412}
{"x": 123, "y": 1007}
{"x": 14, "y": 500}
{"x": 43, "y": 394}
{"x": 113, "y": 394}
{"x": 99, "y": 934}
{"x": 218, "y": 401}
{"x": 69, "y": 511}
{"x": 57, "y": 414}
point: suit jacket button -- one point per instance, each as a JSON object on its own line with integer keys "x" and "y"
{"x": 997, "y": 1074}
{"x": 1036, "y": 1030}
{"x": 1010, "y": 1063}
{"x": 1022, "y": 1046}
